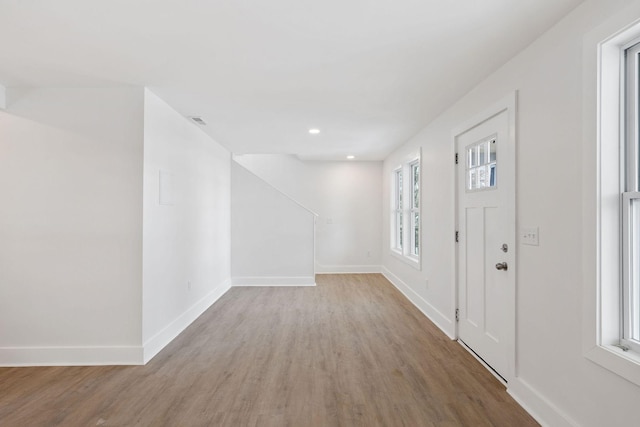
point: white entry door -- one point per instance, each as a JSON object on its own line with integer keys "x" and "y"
{"x": 486, "y": 239}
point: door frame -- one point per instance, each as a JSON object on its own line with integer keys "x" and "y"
{"x": 508, "y": 104}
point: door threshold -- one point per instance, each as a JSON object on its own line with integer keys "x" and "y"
{"x": 485, "y": 364}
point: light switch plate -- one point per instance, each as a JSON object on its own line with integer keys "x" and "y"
{"x": 529, "y": 236}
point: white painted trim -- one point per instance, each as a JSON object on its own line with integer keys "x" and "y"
{"x": 404, "y": 254}
{"x": 626, "y": 364}
{"x": 543, "y": 410}
{"x": 3, "y": 97}
{"x": 274, "y": 281}
{"x": 407, "y": 259}
{"x": 439, "y": 319}
{"x": 347, "y": 269}
{"x": 160, "y": 340}
{"x": 602, "y": 142}
{"x": 70, "y": 356}
{"x": 509, "y": 104}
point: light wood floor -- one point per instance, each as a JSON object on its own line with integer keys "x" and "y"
{"x": 350, "y": 352}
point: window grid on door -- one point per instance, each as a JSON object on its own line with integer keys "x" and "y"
{"x": 481, "y": 165}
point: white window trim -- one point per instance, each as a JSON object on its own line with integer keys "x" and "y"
{"x": 629, "y": 325}
{"x": 603, "y": 100}
{"x": 405, "y": 254}
{"x": 395, "y": 210}
{"x": 413, "y": 210}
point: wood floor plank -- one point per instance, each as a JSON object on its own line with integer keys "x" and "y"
{"x": 351, "y": 351}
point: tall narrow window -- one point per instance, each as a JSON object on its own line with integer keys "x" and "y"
{"x": 415, "y": 208}
{"x": 405, "y": 212}
{"x": 612, "y": 271}
{"x": 398, "y": 212}
{"x": 631, "y": 205}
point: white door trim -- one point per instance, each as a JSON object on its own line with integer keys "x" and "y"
{"x": 509, "y": 104}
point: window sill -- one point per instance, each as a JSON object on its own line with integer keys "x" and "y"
{"x": 407, "y": 259}
{"x": 623, "y": 363}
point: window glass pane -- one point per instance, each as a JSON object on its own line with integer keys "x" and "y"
{"x": 399, "y": 189}
{"x": 416, "y": 233}
{"x": 482, "y": 177}
{"x": 482, "y": 165}
{"x": 482, "y": 153}
{"x": 493, "y": 175}
{"x": 472, "y": 185}
{"x": 492, "y": 150}
{"x": 472, "y": 158}
{"x": 634, "y": 286}
{"x": 400, "y": 233}
{"x": 416, "y": 185}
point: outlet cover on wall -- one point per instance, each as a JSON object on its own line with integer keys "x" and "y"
{"x": 529, "y": 236}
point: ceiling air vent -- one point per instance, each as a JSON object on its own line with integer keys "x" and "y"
{"x": 199, "y": 121}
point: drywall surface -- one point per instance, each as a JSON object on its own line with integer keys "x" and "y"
{"x": 555, "y": 381}
{"x": 347, "y": 197}
{"x": 186, "y": 237}
{"x": 272, "y": 236}
{"x": 71, "y": 226}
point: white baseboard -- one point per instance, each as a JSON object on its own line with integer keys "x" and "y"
{"x": 274, "y": 281}
{"x": 108, "y": 355}
{"x": 439, "y": 319}
{"x": 540, "y": 408}
{"x": 160, "y": 340}
{"x": 347, "y": 269}
{"x": 70, "y": 356}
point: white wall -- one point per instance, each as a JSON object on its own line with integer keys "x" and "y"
{"x": 347, "y": 196}
{"x": 186, "y": 238}
{"x": 556, "y": 382}
{"x": 71, "y": 226}
{"x": 3, "y": 97}
{"x": 272, "y": 236}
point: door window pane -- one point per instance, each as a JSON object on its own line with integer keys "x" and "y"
{"x": 482, "y": 165}
{"x": 472, "y": 157}
{"x": 482, "y": 153}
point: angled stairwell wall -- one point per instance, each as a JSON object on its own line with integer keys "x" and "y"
{"x": 346, "y": 195}
{"x": 272, "y": 236}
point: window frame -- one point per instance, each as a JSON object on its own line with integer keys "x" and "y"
{"x": 603, "y": 185}
{"x": 413, "y": 210}
{"x": 630, "y": 312}
{"x": 630, "y": 167}
{"x": 397, "y": 211}
{"x": 406, "y": 213}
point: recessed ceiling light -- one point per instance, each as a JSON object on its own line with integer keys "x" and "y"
{"x": 314, "y": 131}
{"x": 351, "y": 157}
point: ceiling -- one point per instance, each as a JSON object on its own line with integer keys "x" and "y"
{"x": 368, "y": 73}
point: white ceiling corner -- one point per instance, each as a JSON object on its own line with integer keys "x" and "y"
{"x": 369, "y": 74}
